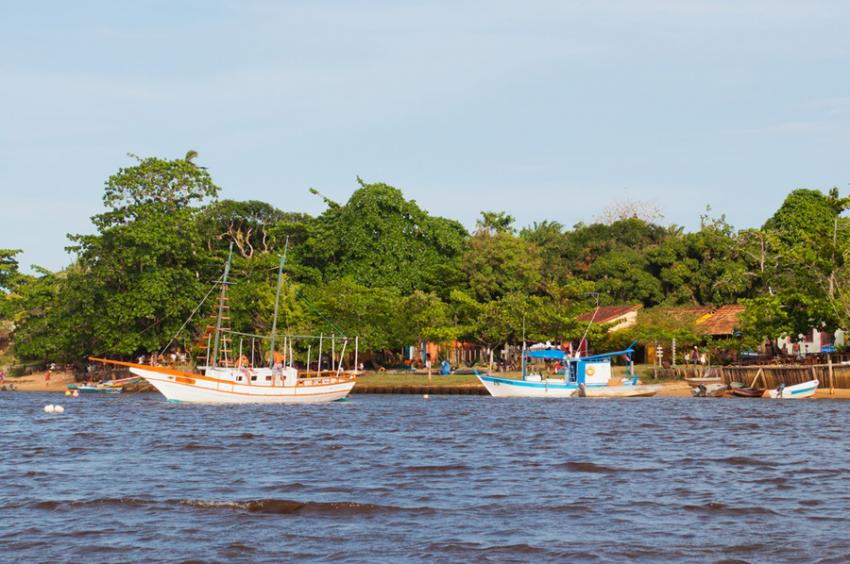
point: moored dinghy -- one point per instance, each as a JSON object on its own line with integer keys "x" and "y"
{"x": 704, "y": 380}
{"x": 797, "y": 391}
{"x": 709, "y": 390}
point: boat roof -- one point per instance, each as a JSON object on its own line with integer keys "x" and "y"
{"x": 558, "y": 354}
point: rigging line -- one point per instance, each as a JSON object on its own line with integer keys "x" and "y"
{"x": 592, "y": 317}
{"x": 216, "y": 283}
{"x": 319, "y": 313}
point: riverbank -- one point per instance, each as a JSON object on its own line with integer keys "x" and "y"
{"x": 36, "y": 382}
{"x": 385, "y": 383}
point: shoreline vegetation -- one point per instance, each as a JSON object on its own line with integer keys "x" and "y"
{"x": 380, "y": 267}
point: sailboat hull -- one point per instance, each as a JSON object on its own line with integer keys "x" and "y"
{"x": 194, "y": 388}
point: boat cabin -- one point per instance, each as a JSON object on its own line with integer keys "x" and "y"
{"x": 592, "y": 370}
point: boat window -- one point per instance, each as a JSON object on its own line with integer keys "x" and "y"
{"x": 253, "y": 378}
{"x": 239, "y": 378}
{"x": 268, "y": 378}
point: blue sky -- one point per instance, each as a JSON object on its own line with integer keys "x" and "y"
{"x": 547, "y": 110}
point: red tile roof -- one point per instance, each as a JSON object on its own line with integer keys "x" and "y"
{"x": 722, "y": 322}
{"x": 607, "y": 314}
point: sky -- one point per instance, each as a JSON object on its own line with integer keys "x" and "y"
{"x": 548, "y": 110}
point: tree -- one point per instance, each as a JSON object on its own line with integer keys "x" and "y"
{"x": 146, "y": 267}
{"x": 345, "y": 306}
{"x": 495, "y": 222}
{"x": 381, "y": 240}
{"x": 425, "y": 317}
{"x": 497, "y": 264}
{"x": 248, "y": 224}
{"x": 10, "y": 277}
{"x": 643, "y": 210}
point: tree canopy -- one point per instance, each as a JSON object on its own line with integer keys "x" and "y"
{"x": 381, "y": 267}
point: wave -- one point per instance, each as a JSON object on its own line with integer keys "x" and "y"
{"x": 196, "y": 446}
{"x": 271, "y": 506}
{"x": 717, "y": 507}
{"x": 593, "y": 468}
{"x": 436, "y": 468}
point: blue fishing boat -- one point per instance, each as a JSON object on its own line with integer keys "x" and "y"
{"x": 571, "y": 377}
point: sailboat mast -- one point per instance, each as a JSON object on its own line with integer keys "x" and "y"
{"x": 277, "y": 301}
{"x": 217, "y": 340}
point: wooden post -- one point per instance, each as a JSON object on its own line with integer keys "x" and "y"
{"x": 309, "y": 348}
{"x": 760, "y": 373}
{"x": 655, "y": 361}
{"x": 319, "y": 368}
{"x": 831, "y": 376}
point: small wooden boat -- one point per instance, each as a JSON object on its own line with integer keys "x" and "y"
{"x": 748, "y": 392}
{"x": 709, "y": 390}
{"x": 95, "y": 389}
{"x": 107, "y": 387}
{"x": 704, "y": 381}
{"x": 630, "y": 391}
{"x": 797, "y": 391}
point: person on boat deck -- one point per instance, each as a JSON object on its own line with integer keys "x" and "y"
{"x": 243, "y": 361}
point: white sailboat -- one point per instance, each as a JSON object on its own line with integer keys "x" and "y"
{"x": 223, "y": 380}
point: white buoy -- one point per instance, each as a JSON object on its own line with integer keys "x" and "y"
{"x": 49, "y": 408}
{"x": 58, "y": 409}
{"x": 426, "y": 396}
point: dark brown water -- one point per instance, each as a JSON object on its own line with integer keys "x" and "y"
{"x": 396, "y": 478}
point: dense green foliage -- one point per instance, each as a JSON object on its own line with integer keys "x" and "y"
{"x": 381, "y": 267}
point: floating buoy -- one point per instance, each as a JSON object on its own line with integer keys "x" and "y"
{"x": 426, "y": 396}
{"x": 67, "y": 392}
{"x": 58, "y": 409}
{"x": 49, "y": 408}
{"x": 76, "y": 393}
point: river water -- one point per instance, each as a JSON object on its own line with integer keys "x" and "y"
{"x": 397, "y": 478}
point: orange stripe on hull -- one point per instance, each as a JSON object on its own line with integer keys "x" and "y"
{"x": 192, "y": 376}
{"x": 196, "y": 387}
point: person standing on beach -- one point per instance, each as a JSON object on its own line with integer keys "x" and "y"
{"x": 47, "y": 378}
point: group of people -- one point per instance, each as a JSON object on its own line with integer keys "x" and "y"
{"x": 163, "y": 360}
{"x": 696, "y": 357}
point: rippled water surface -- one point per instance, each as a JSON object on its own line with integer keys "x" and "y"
{"x": 455, "y": 478}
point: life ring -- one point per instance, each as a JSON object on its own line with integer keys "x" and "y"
{"x": 590, "y": 371}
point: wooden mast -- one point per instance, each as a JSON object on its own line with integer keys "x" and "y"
{"x": 221, "y": 300}
{"x": 277, "y": 301}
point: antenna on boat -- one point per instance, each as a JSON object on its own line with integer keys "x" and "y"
{"x": 277, "y": 301}
{"x": 592, "y": 317}
{"x": 221, "y": 306}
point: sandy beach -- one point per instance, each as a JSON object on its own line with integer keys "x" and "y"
{"x": 36, "y": 383}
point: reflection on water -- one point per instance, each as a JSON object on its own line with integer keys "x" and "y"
{"x": 396, "y": 477}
